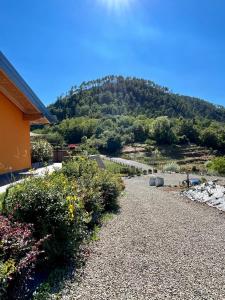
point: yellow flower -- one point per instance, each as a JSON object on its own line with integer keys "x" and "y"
{"x": 68, "y": 198}
{"x": 71, "y": 211}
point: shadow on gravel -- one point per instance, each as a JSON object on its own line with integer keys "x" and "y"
{"x": 71, "y": 271}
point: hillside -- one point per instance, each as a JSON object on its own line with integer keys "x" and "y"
{"x": 116, "y": 95}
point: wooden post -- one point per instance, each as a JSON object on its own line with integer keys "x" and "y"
{"x": 188, "y": 180}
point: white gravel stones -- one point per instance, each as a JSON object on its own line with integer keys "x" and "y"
{"x": 157, "y": 248}
{"x": 209, "y": 193}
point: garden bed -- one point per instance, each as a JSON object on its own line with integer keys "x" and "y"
{"x": 49, "y": 217}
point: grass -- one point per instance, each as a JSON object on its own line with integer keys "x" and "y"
{"x": 113, "y": 167}
{"x": 122, "y": 170}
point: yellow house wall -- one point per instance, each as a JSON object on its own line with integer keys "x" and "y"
{"x": 14, "y": 138}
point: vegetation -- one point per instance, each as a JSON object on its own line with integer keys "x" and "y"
{"x": 19, "y": 251}
{"x": 171, "y": 167}
{"x": 42, "y": 151}
{"x": 116, "y": 95}
{"x": 117, "y": 168}
{"x": 108, "y": 113}
{"x": 62, "y": 207}
{"x": 162, "y": 132}
{"x": 110, "y": 134}
{"x": 217, "y": 166}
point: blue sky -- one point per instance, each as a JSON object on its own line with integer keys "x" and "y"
{"x": 55, "y": 44}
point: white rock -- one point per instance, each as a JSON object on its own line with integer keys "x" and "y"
{"x": 209, "y": 193}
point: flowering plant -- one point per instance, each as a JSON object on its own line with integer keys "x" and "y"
{"x": 19, "y": 251}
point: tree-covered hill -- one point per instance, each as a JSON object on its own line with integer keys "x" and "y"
{"x": 116, "y": 95}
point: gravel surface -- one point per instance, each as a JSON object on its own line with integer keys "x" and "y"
{"x": 161, "y": 246}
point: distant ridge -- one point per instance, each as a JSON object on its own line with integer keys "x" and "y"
{"x": 116, "y": 95}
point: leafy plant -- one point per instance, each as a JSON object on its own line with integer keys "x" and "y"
{"x": 100, "y": 186}
{"x": 61, "y": 207}
{"x": 53, "y": 206}
{"x": 217, "y": 166}
{"x": 172, "y": 167}
{"x": 19, "y": 251}
{"x": 42, "y": 151}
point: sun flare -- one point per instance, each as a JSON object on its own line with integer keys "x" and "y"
{"x": 116, "y": 4}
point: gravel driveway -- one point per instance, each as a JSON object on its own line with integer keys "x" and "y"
{"x": 160, "y": 246}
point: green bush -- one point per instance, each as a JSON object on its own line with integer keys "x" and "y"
{"x": 55, "y": 138}
{"x": 85, "y": 171}
{"x": 61, "y": 207}
{"x": 101, "y": 187}
{"x": 217, "y": 165}
{"x": 110, "y": 188}
{"x": 53, "y": 206}
{"x": 42, "y": 151}
{"x": 172, "y": 167}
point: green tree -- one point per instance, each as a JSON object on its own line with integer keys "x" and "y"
{"x": 209, "y": 138}
{"x": 113, "y": 144}
{"x": 217, "y": 165}
{"x": 188, "y": 129}
{"x": 162, "y": 131}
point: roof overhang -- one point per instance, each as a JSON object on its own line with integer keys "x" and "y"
{"x": 18, "y": 92}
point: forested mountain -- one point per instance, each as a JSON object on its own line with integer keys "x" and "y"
{"x": 116, "y": 95}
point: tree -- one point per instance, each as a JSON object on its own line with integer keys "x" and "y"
{"x": 187, "y": 128}
{"x": 209, "y": 138}
{"x": 139, "y": 131}
{"x": 162, "y": 131}
{"x": 217, "y": 165}
{"x": 113, "y": 144}
{"x": 131, "y": 96}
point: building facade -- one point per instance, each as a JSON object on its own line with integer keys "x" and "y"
{"x": 19, "y": 108}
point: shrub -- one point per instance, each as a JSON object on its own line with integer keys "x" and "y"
{"x": 110, "y": 188}
{"x": 84, "y": 171}
{"x": 19, "y": 251}
{"x": 61, "y": 206}
{"x": 53, "y": 206}
{"x": 171, "y": 167}
{"x": 80, "y": 166}
{"x": 100, "y": 186}
{"x": 42, "y": 151}
{"x": 55, "y": 138}
{"x": 183, "y": 140}
{"x": 209, "y": 138}
{"x": 113, "y": 144}
{"x": 217, "y": 165}
{"x": 194, "y": 169}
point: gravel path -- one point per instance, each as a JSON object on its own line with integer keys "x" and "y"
{"x": 160, "y": 246}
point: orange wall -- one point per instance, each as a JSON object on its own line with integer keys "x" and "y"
{"x": 14, "y": 138}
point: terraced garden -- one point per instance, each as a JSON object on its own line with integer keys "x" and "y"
{"x": 190, "y": 157}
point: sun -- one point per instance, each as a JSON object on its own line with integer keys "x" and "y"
{"x": 117, "y": 5}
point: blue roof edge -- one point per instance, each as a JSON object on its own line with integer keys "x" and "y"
{"x": 21, "y": 84}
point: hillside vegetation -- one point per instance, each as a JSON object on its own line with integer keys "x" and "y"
{"x": 116, "y": 95}
{"x": 107, "y": 114}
